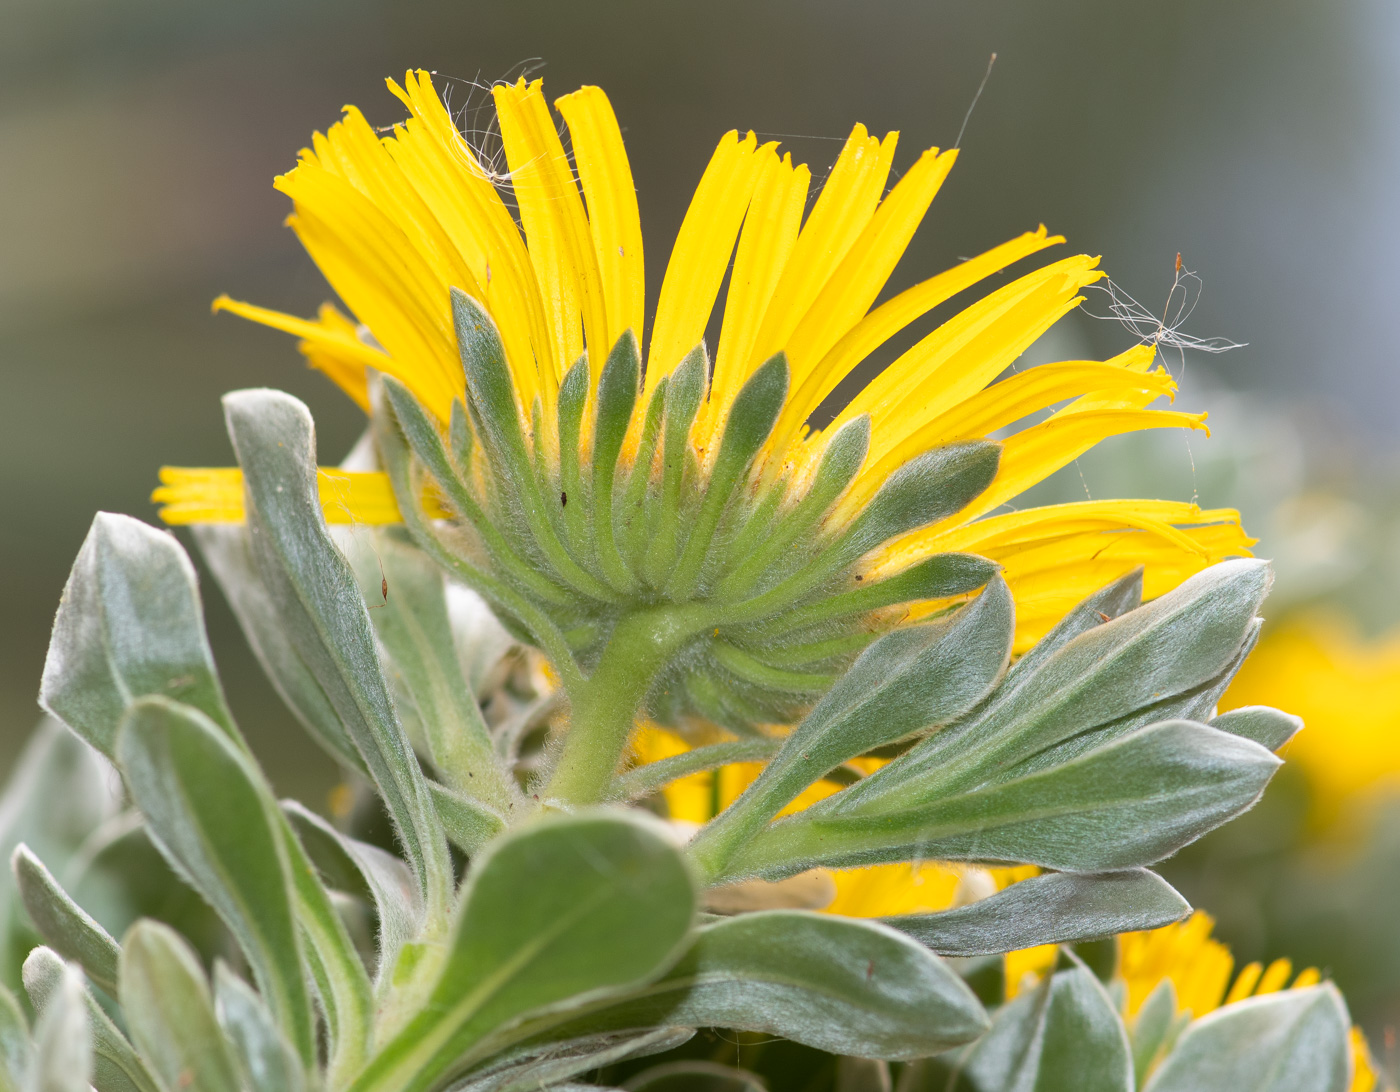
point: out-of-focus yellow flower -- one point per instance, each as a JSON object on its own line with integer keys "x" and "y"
{"x": 1199, "y": 968}
{"x": 1347, "y": 690}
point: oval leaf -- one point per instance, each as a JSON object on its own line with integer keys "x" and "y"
{"x": 1293, "y": 1041}
{"x": 564, "y": 910}
{"x": 1055, "y": 908}
{"x": 837, "y": 984}
{"x": 1065, "y": 1034}
{"x": 166, "y": 1001}
{"x": 129, "y": 624}
{"x": 213, "y": 817}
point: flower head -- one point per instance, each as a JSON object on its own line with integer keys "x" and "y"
{"x": 586, "y": 487}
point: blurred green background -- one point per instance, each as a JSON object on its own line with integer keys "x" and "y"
{"x": 139, "y": 139}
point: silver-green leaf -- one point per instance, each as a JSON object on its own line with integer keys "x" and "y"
{"x": 213, "y": 816}
{"x": 1053, "y": 908}
{"x": 564, "y": 910}
{"x": 838, "y": 984}
{"x": 1293, "y": 1041}
{"x": 326, "y": 616}
{"x": 170, "y": 1014}
{"x": 63, "y": 923}
{"x": 129, "y": 625}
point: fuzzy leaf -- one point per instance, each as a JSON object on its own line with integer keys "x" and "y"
{"x": 129, "y": 624}
{"x": 837, "y": 984}
{"x": 166, "y": 1001}
{"x": 545, "y": 1066}
{"x": 412, "y": 622}
{"x": 692, "y": 1075}
{"x": 1151, "y": 1027}
{"x": 227, "y": 552}
{"x": 16, "y": 1048}
{"x": 323, "y": 611}
{"x": 1170, "y": 646}
{"x": 63, "y": 1054}
{"x": 213, "y": 817}
{"x": 1054, "y": 908}
{"x": 115, "y": 1066}
{"x": 1127, "y": 803}
{"x": 384, "y": 878}
{"x": 268, "y": 1062}
{"x": 63, "y": 923}
{"x": 469, "y": 824}
{"x": 1270, "y": 728}
{"x": 1293, "y": 1041}
{"x": 1062, "y": 1035}
{"x": 614, "y": 913}
{"x": 908, "y": 680}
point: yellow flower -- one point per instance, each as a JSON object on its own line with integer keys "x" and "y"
{"x": 395, "y": 220}
{"x": 1347, "y": 690}
{"x": 1199, "y": 968}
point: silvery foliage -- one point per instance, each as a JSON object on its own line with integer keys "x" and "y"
{"x": 198, "y": 933}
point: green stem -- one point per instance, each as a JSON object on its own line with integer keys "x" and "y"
{"x": 605, "y": 704}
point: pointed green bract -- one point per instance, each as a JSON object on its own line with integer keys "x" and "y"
{"x": 751, "y": 419}
{"x": 617, "y": 394}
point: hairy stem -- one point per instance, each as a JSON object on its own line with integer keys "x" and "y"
{"x": 605, "y": 704}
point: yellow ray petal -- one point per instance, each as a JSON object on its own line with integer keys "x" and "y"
{"x": 770, "y": 232}
{"x": 1028, "y": 392}
{"x": 363, "y": 160}
{"x": 449, "y": 178}
{"x": 381, "y": 277}
{"x": 560, "y": 243}
{"x": 1032, "y": 455}
{"x": 1275, "y": 977}
{"x": 843, "y": 209}
{"x": 613, "y": 217}
{"x": 215, "y": 495}
{"x": 1009, "y": 532}
{"x": 1054, "y": 557}
{"x": 701, "y": 254}
{"x": 346, "y": 370}
{"x": 330, "y": 335}
{"x": 891, "y": 317}
{"x": 960, "y": 358}
{"x": 852, "y": 288}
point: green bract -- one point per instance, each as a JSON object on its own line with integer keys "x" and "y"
{"x": 502, "y": 911}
